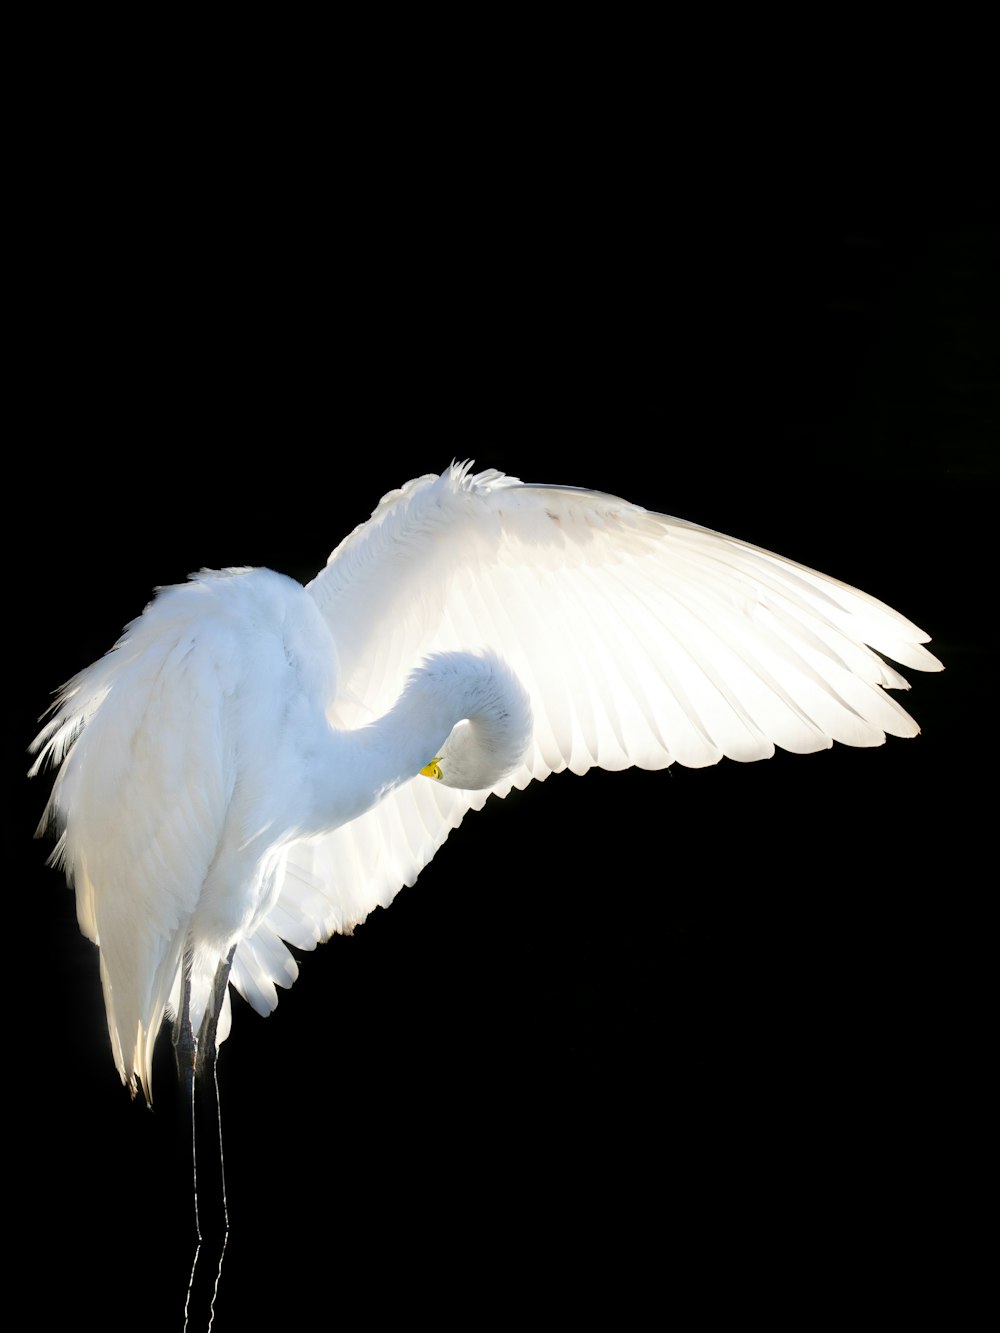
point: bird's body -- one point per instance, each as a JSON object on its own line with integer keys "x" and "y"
{"x": 189, "y": 851}
{"x": 238, "y": 773}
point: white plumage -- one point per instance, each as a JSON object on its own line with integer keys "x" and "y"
{"x": 239, "y": 769}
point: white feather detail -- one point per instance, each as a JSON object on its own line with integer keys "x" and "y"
{"x": 196, "y": 755}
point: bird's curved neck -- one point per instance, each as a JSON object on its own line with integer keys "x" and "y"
{"x": 365, "y": 765}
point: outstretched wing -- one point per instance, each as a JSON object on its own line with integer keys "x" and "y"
{"x": 641, "y": 639}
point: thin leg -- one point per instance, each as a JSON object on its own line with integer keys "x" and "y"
{"x": 185, "y": 1055}
{"x": 208, "y": 1051}
{"x": 200, "y": 1058}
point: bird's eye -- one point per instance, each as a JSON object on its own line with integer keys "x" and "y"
{"x": 432, "y": 770}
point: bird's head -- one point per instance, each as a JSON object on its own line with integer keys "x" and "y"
{"x": 492, "y": 740}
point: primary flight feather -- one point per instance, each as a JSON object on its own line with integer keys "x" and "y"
{"x": 240, "y": 771}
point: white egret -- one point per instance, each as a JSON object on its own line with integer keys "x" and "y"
{"x": 238, "y": 774}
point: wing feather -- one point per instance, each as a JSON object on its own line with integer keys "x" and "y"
{"x": 138, "y": 866}
{"x": 641, "y": 639}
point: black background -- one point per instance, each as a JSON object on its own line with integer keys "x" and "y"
{"x": 628, "y": 1035}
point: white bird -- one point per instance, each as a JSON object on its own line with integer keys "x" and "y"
{"x": 238, "y": 774}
